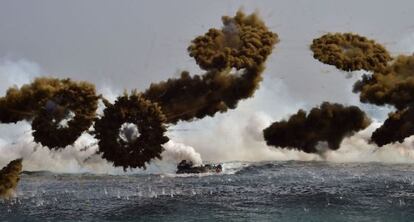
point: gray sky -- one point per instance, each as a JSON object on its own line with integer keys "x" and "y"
{"x": 129, "y": 44}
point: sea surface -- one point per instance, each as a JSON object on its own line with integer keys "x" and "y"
{"x": 268, "y": 191}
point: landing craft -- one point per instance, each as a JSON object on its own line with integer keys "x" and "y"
{"x": 186, "y": 167}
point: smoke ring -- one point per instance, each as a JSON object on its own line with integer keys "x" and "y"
{"x": 147, "y": 116}
{"x": 350, "y": 52}
{"x": 81, "y": 100}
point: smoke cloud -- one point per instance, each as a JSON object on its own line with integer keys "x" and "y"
{"x": 391, "y": 83}
{"x": 47, "y": 102}
{"x": 175, "y": 152}
{"x": 359, "y": 149}
{"x": 350, "y": 52}
{"x": 396, "y": 128}
{"x": 329, "y": 122}
{"x": 240, "y": 134}
{"x": 243, "y": 44}
{"x": 149, "y": 120}
{"x": 392, "y": 86}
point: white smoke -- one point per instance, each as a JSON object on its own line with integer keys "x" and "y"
{"x": 72, "y": 159}
{"x": 175, "y": 152}
{"x": 243, "y": 141}
{"x": 16, "y": 73}
{"x": 235, "y": 135}
{"x": 82, "y": 157}
{"x": 358, "y": 149}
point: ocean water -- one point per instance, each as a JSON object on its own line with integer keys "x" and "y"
{"x": 267, "y": 191}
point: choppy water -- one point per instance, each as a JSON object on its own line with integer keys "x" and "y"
{"x": 272, "y": 191}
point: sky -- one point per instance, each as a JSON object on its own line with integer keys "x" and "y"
{"x": 125, "y": 45}
{"x": 129, "y": 44}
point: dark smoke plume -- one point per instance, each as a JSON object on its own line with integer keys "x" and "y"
{"x": 392, "y": 86}
{"x": 396, "y": 128}
{"x": 350, "y": 52}
{"x": 22, "y": 104}
{"x": 329, "y": 122}
{"x": 392, "y": 83}
{"x": 244, "y": 43}
{"x": 9, "y": 178}
{"x": 197, "y": 96}
{"x": 48, "y": 103}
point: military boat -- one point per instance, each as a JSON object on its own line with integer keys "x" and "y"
{"x": 186, "y": 167}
